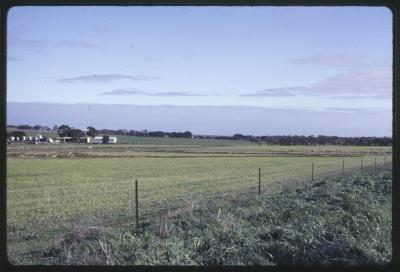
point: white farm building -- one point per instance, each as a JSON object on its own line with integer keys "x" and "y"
{"x": 99, "y": 140}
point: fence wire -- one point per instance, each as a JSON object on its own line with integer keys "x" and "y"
{"x": 58, "y": 210}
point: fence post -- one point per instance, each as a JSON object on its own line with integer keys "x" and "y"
{"x": 312, "y": 172}
{"x": 136, "y": 203}
{"x": 361, "y": 165}
{"x": 384, "y": 164}
{"x": 375, "y": 164}
{"x": 343, "y": 167}
{"x": 259, "y": 181}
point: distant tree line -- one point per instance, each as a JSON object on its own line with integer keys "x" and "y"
{"x": 67, "y": 131}
{"x": 145, "y": 133}
{"x": 16, "y": 133}
{"x": 28, "y": 127}
{"x": 316, "y": 140}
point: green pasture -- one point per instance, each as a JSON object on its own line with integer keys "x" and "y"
{"x": 341, "y": 220}
{"x": 179, "y": 141}
{"x": 48, "y": 196}
{"x": 128, "y": 150}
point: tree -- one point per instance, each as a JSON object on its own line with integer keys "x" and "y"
{"x": 91, "y": 132}
{"x": 37, "y": 127}
{"x": 187, "y": 134}
{"x": 238, "y": 137}
{"x": 121, "y": 132}
{"x": 17, "y": 133}
{"x": 24, "y": 127}
{"x": 76, "y": 134}
{"x": 64, "y": 131}
{"x": 105, "y": 131}
{"x": 105, "y": 139}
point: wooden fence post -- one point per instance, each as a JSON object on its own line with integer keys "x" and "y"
{"x": 343, "y": 167}
{"x": 312, "y": 172}
{"x": 136, "y": 203}
{"x": 361, "y": 166}
{"x": 259, "y": 181}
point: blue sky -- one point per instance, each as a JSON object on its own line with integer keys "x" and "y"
{"x": 304, "y": 58}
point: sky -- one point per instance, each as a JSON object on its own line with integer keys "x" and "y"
{"x": 321, "y": 59}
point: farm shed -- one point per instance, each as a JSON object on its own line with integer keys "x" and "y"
{"x": 99, "y": 140}
{"x": 85, "y": 139}
{"x": 63, "y": 140}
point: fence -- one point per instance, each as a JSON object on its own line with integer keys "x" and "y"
{"x": 51, "y": 213}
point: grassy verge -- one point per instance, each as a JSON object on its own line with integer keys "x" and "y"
{"x": 337, "y": 221}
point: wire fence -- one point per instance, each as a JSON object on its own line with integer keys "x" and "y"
{"x": 38, "y": 214}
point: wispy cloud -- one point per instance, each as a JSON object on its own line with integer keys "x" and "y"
{"x": 77, "y": 44}
{"x": 175, "y": 94}
{"x": 276, "y": 92}
{"x": 133, "y": 91}
{"x": 340, "y": 60}
{"x": 355, "y": 84}
{"x": 375, "y": 82}
{"x": 104, "y": 78}
{"x": 30, "y": 44}
{"x": 376, "y": 96}
{"x": 123, "y": 92}
{"x": 356, "y": 110}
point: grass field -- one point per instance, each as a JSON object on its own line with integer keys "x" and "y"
{"x": 179, "y": 141}
{"x": 184, "y": 150}
{"x": 52, "y": 189}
